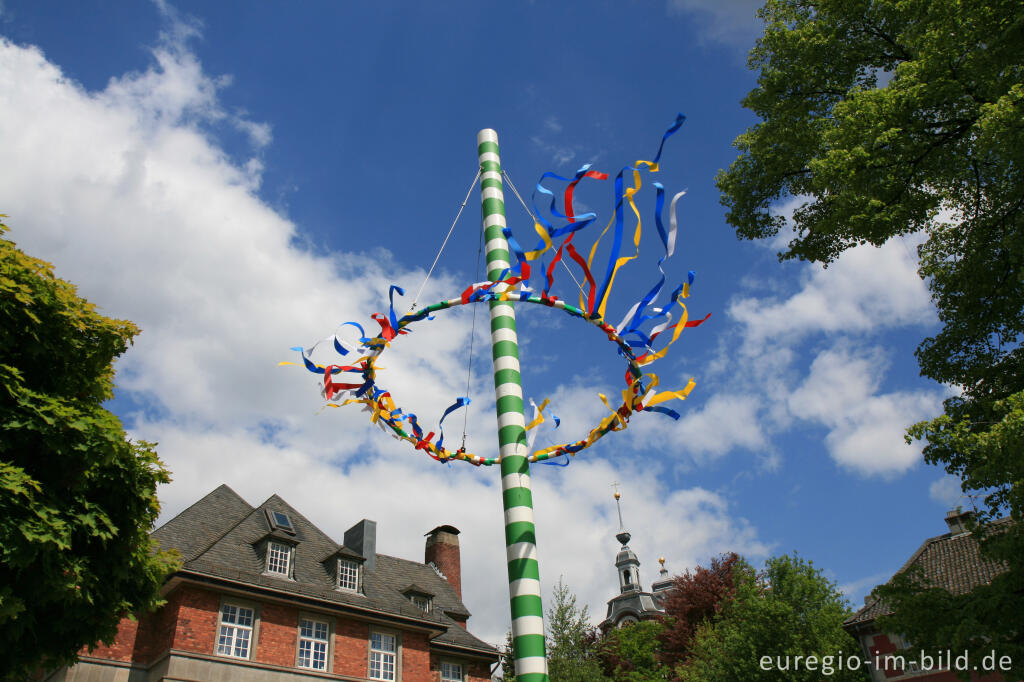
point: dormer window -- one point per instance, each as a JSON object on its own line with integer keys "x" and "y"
{"x": 348, "y": 575}
{"x": 421, "y": 598}
{"x": 279, "y": 559}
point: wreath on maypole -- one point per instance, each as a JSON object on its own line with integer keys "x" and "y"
{"x": 640, "y": 337}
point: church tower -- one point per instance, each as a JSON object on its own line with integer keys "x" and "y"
{"x": 632, "y": 604}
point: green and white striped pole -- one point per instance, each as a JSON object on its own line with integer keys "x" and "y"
{"x": 520, "y": 535}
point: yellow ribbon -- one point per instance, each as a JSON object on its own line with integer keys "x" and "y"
{"x": 651, "y": 357}
{"x": 630, "y": 191}
{"x": 533, "y": 255}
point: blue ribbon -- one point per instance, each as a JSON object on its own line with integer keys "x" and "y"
{"x": 391, "y": 299}
{"x": 459, "y": 402}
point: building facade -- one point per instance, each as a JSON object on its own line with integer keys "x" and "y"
{"x": 951, "y": 561}
{"x": 263, "y": 595}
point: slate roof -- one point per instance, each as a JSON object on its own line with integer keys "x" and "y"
{"x": 950, "y": 561}
{"x": 219, "y": 537}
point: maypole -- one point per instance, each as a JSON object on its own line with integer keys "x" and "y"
{"x": 517, "y": 500}
{"x": 357, "y": 380}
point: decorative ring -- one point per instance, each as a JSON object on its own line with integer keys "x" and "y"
{"x": 380, "y": 403}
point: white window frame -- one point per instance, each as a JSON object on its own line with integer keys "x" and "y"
{"x": 381, "y": 658}
{"x": 449, "y": 667}
{"x": 420, "y": 601}
{"x": 231, "y": 623}
{"x": 348, "y": 575}
{"x": 313, "y": 640}
{"x": 283, "y": 554}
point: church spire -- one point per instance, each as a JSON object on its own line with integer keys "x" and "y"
{"x": 626, "y": 563}
{"x": 623, "y": 535}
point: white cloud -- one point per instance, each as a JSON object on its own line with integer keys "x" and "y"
{"x": 856, "y": 590}
{"x": 127, "y": 192}
{"x": 865, "y": 428}
{"x": 946, "y": 491}
{"x": 733, "y": 22}
{"x": 867, "y": 289}
{"x": 725, "y": 422}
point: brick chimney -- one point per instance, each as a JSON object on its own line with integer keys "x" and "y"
{"x": 957, "y": 520}
{"x": 442, "y": 550}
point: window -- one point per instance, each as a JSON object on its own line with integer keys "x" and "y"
{"x": 348, "y": 575}
{"x": 451, "y": 672}
{"x": 421, "y": 602}
{"x": 236, "y": 624}
{"x": 278, "y": 558}
{"x": 313, "y": 640}
{"x": 280, "y": 521}
{"x": 383, "y": 648}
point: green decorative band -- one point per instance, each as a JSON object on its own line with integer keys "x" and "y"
{"x": 529, "y": 645}
{"x": 524, "y": 568}
{"x": 520, "y": 532}
{"x": 517, "y": 497}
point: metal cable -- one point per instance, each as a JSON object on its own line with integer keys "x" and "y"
{"x": 445, "y": 242}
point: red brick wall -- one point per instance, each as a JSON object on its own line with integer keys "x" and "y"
{"x": 156, "y": 630}
{"x": 351, "y": 648}
{"x": 478, "y": 672}
{"x": 415, "y": 657}
{"x": 189, "y": 622}
{"x": 196, "y": 626}
{"x": 124, "y": 643}
{"x": 278, "y": 635}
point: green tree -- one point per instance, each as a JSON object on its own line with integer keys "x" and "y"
{"x": 892, "y": 117}
{"x": 508, "y": 660}
{"x": 76, "y": 497}
{"x": 990, "y": 617}
{"x": 632, "y": 652}
{"x": 570, "y": 648}
{"x": 790, "y": 610}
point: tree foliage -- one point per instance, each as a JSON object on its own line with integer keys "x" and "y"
{"x": 76, "y": 497}
{"x": 790, "y": 610}
{"x": 695, "y": 599}
{"x": 570, "y": 648}
{"x": 633, "y": 652}
{"x": 892, "y": 117}
{"x": 991, "y": 617}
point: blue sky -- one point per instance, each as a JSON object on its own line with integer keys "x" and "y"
{"x": 239, "y": 178}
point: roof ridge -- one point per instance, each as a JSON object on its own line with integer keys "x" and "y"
{"x": 201, "y": 499}
{"x": 293, "y": 510}
{"x": 220, "y": 537}
{"x": 398, "y": 558}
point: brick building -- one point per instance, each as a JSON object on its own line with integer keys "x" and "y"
{"x": 951, "y": 561}
{"x": 264, "y": 595}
